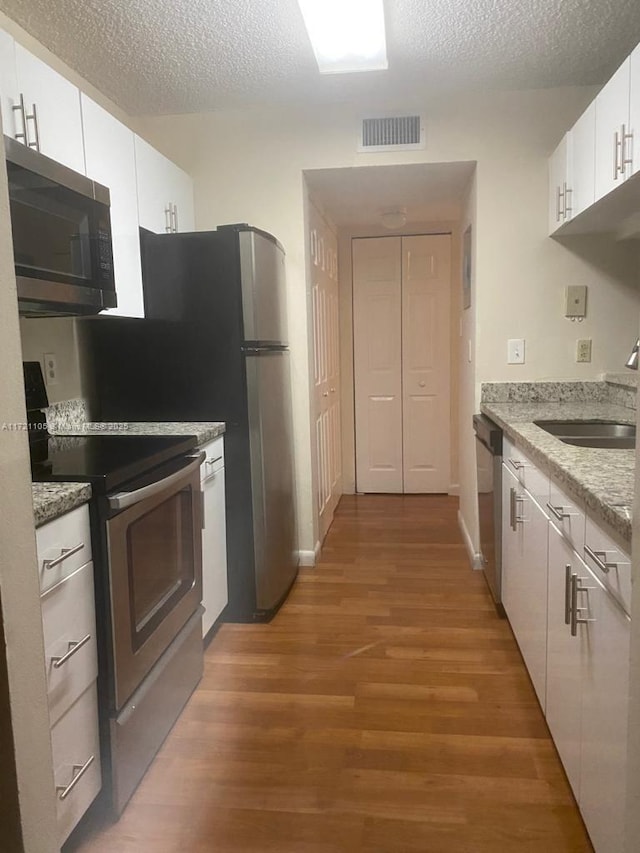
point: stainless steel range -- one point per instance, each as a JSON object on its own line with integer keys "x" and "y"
{"x": 146, "y": 515}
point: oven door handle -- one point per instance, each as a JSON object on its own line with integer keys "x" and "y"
{"x": 122, "y": 500}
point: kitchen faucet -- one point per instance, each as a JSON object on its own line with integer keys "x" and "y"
{"x": 632, "y": 361}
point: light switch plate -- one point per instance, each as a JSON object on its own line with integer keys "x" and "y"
{"x": 515, "y": 351}
{"x": 576, "y": 301}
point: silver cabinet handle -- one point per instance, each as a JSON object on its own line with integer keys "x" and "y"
{"x": 78, "y": 772}
{"x": 568, "y": 210}
{"x": 516, "y": 464}
{"x": 567, "y": 594}
{"x": 174, "y": 218}
{"x": 65, "y": 553}
{"x": 617, "y": 145}
{"x": 73, "y": 648}
{"x": 168, "y": 227}
{"x": 599, "y": 558}
{"x": 558, "y": 512}
{"x": 20, "y": 108}
{"x": 558, "y": 208}
{"x": 514, "y": 518}
{"x": 213, "y": 461}
{"x": 624, "y": 159}
{"x": 122, "y": 500}
{"x": 575, "y": 610}
{"x": 34, "y": 118}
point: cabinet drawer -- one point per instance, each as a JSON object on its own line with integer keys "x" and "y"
{"x": 75, "y": 744}
{"x": 70, "y": 533}
{"x": 568, "y": 516}
{"x": 526, "y": 472}
{"x": 68, "y": 618}
{"x": 609, "y": 563}
{"x": 215, "y": 458}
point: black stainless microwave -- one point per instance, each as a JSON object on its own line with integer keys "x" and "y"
{"x": 61, "y": 236}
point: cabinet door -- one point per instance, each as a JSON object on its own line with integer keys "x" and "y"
{"x": 58, "y": 125}
{"x": 612, "y": 119}
{"x": 524, "y": 577}
{"x": 604, "y": 719}
{"x": 181, "y": 192}
{"x": 111, "y": 161}
{"x": 531, "y": 631}
{"x": 11, "y": 121}
{"x": 633, "y": 149}
{"x": 583, "y": 161}
{"x": 214, "y": 550}
{"x": 165, "y": 192}
{"x": 564, "y": 676}
{"x": 153, "y": 182}
{"x": 558, "y": 184}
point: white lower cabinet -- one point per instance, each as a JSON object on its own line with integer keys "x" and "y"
{"x": 605, "y": 693}
{"x": 584, "y": 631}
{"x": 214, "y": 536}
{"x": 524, "y": 582}
{"x": 75, "y": 743}
{"x": 69, "y": 629}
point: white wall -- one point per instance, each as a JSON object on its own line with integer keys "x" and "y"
{"x": 59, "y": 336}
{"x": 247, "y": 166}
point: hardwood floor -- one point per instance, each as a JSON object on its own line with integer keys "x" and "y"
{"x": 386, "y": 709}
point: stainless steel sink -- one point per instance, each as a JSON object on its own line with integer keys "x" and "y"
{"x": 604, "y": 434}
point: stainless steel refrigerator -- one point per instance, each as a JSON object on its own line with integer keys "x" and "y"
{"x": 214, "y": 346}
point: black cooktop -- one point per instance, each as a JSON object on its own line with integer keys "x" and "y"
{"x": 105, "y": 461}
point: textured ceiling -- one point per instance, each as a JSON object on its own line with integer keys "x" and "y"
{"x": 178, "y": 56}
{"x": 358, "y": 196}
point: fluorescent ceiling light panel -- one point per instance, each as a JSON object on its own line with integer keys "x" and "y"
{"x": 346, "y": 35}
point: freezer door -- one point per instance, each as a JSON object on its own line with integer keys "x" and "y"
{"x": 264, "y": 299}
{"x": 271, "y": 449}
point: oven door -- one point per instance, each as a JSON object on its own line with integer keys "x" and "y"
{"x": 154, "y": 543}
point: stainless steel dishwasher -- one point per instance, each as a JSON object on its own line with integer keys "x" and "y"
{"x": 489, "y": 468}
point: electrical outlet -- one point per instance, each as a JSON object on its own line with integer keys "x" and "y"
{"x": 50, "y": 368}
{"x": 583, "y": 350}
{"x": 515, "y": 351}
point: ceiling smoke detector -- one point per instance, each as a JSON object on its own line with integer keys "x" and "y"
{"x": 394, "y": 218}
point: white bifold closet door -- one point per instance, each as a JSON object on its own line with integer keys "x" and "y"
{"x": 401, "y": 293}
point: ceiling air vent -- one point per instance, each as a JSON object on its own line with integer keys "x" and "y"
{"x": 392, "y": 133}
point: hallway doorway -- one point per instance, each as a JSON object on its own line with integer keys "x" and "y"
{"x": 401, "y": 306}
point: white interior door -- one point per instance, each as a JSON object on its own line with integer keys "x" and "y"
{"x": 377, "y": 343}
{"x": 401, "y": 292}
{"x": 426, "y": 274}
{"x": 326, "y": 341}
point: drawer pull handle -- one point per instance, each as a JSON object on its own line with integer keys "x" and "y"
{"x": 516, "y": 464}
{"x": 599, "y": 558}
{"x": 558, "y": 512}
{"x": 73, "y": 648}
{"x": 78, "y": 772}
{"x": 64, "y": 554}
{"x": 213, "y": 461}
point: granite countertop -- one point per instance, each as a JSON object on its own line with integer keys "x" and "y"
{"x": 602, "y": 479}
{"x": 51, "y": 500}
{"x": 204, "y": 431}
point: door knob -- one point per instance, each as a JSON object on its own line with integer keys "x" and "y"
{"x": 422, "y": 383}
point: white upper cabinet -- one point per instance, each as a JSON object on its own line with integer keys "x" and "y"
{"x": 110, "y": 158}
{"x": 52, "y": 110}
{"x": 583, "y": 162}
{"x": 612, "y": 132}
{"x": 634, "y": 112}
{"x": 165, "y": 192}
{"x": 559, "y": 185}
{"x": 8, "y": 85}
